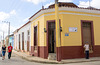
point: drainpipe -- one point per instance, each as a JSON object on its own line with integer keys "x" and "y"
{"x": 58, "y": 44}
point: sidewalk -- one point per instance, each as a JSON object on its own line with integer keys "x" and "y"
{"x": 41, "y": 60}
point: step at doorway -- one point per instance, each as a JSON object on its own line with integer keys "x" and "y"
{"x": 52, "y": 56}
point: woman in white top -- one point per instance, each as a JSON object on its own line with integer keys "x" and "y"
{"x": 86, "y": 46}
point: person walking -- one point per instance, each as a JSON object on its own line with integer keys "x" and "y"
{"x": 3, "y": 51}
{"x": 9, "y": 51}
{"x": 86, "y": 46}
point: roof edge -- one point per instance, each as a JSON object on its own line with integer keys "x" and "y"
{"x": 24, "y": 25}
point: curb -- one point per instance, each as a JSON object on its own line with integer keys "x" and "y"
{"x": 56, "y": 62}
{"x": 38, "y": 61}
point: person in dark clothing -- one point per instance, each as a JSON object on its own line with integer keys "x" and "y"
{"x": 3, "y": 52}
{"x": 9, "y": 51}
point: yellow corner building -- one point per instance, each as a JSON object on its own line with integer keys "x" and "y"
{"x": 77, "y": 26}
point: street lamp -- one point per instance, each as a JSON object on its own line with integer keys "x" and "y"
{"x": 8, "y": 28}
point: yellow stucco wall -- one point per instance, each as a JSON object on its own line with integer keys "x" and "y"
{"x": 74, "y": 38}
{"x": 97, "y": 30}
{"x": 67, "y": 20}
{"x": 40, "y": 26}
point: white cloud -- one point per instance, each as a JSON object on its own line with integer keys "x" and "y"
{"x": 12, "y": 29}
{"x": 65, "y": 0}
{"x": 36, "y": 1}
{"x": 59, "y": 1}
{"x": 93, "y": 3}
{"x": 13, "y": 12}
{"x": 46, "y": 6}
{"x": 4, "y": 15}
{"x": 39, "y": 1}
{"x": 26, "y": 19}
{"x": 4, "y": 26}
{"x": 83, "y": 4}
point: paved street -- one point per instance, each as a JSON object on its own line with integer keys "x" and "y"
{"x": 16, "y": 60}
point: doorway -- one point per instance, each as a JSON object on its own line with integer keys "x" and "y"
{"x": 35, "y": 38}
{"x": 28, "y": 40}
{"x": 51, "y": 37}
{"x": 23, "y": 41}
{"x": 19, "y": 41}
{"x": 53, "y": 52}
{"x": 87, "y": 34}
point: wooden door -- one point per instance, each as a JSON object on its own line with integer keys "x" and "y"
{"x": 23, "y": 41}
{"x": 28, "y": 40}
{"x": 28, "y": 44}
{"x": 87, "y": 33}
{"x": 19, "y": 41}
{"x": 35, "y": 38}
{"x": 51, "y": 39}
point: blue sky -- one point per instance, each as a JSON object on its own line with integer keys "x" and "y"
{"x": 17, "y": 12}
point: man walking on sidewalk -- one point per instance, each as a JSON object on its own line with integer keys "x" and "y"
{"x": 9, "y": 51}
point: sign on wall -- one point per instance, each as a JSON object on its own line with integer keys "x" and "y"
{"x": 66, "y": 34}
{"x": 72, "y": 29}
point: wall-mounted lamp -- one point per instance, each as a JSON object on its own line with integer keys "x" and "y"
{"x": 45, "y": 30}
{"x": 60, "y": 29}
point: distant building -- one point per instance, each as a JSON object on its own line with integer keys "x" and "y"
{"x": 11, "y": 40}
{"x": 16, "y": 39}
{"x": 2, "y": 42}
{"x": 22, "y": 38}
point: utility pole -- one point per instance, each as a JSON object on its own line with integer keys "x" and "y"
{"x": 1, "y": 41}
{"x": 8, "y": 29}
{"x": 89, "y": 4}
{"x": 8, "y": 32}
{"x": 58, "y": 43}
{"x": 3, "y": 37}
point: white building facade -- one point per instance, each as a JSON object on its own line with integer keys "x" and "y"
{"x": 23, "y": 38}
